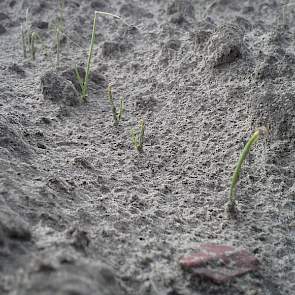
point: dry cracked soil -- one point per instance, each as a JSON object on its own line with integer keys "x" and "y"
{"x": 81, "y": 211}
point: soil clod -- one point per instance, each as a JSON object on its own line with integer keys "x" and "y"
{"x": 58, "y": 89}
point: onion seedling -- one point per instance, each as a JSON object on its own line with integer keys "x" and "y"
{"x": 57, "y": 40}
{"x": 33, "y": 37}
{"x": 24, "y": 42}
{"x": 59, "y": 29}
{"x": 84, "y": 82}
{"x": 138, "y": 139}
{"x": 29, "y": 38}
{"x": 117, "y": 115}
{"x": 231, "y": 205}
{"x": 25, "y": 31}
{"x": 61, "y": 12}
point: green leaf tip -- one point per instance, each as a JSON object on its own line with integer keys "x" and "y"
{"x": 117, "y": 115}
{"x": 138, "y": 139}
{"x": 261, "y": 131}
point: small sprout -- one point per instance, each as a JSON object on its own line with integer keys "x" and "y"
{"x": 231, "y": 205}
{"x": 137, "y": 139}
{"x": 58, "y": 30}
{"x": 29, "y": 38}
{"x": 33, "y": 38}
{"x": 24, "y": 43}
{"x": 61, "y": 15}
{"x": 84, "y": 82}
{"x": 57, "y": 36}
{"x": 25, "y": 32}
{"x": 116, "y": 115}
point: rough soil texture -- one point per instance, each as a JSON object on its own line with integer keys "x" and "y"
{"x": 81, "y": 212}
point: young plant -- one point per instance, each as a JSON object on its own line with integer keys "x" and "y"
{"x": 138, "y": 139}
{"x": 57, "y": 43}
{"x": 24, "y": 41}
{"x": 84, "y": 82}
{"x": 61, "y": 13}
{"x": 25, "y": 34}
{"x": 117, "y": 115}
{"x": 59, "y": 28}
{"x": 29, "y": 38}
{"x": 33, "y": 37}
{"x": 231, "y": 205}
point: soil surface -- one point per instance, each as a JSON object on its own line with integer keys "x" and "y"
{"x": 81, "y": 211}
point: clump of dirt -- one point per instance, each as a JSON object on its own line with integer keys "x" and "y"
{"x": 12, "y": 141}
{"x": 225, "y": 44}
{"x": 81, "y": 211}
{"x": 58, "y": 89}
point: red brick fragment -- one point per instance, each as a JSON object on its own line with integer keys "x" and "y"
{"x": 244, "y": 259}
{"x": 219, "y": 263}
{"x": 218, "y": 249}
{"x": 196, "y": 259}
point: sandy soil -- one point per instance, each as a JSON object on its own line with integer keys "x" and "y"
{"x": 81, "y": 211}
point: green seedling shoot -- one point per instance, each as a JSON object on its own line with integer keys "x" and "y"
{"x": 29, "y": 38}
{"x": 231, "y": 206}
{"x": 24, "y": 42}
{"x": 84, "y": 82}
{"x": 117, "y": 115}
{"x": 57, "y": 38}
{"x": 33, "y": 38}
{"x": 138, "y": 139}
{"x": 61, "y": 17}
{"x": 25, "y": 31}
{"x": 59, "y": 28}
